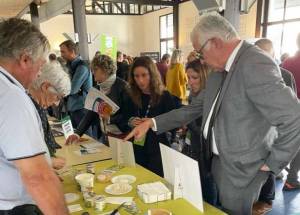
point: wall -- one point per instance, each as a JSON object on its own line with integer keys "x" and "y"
{"x": 248, "y": 23}
{"x": 128, "y": 30}
{"x": 150, "y": 23}
{"x": 188, "y": 17}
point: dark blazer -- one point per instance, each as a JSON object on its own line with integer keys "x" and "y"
{"x": 118, "y": 94}
{"x": 289, "y": 79}
{"x": 149, "y": 155}
{"x": 254, "y": 98}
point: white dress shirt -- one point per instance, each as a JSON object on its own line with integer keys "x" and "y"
{"x": 206, "y": 126}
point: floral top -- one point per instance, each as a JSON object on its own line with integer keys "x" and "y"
{"x": 48, "y": 136}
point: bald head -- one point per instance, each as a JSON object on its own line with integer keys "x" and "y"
{"x": 266, "y": 45}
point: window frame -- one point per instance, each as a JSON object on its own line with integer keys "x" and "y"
{"x": 266, "y": 23}
{"x": 167, "y": 39}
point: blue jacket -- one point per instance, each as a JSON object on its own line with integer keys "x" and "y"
{"x": 82, "y": 81}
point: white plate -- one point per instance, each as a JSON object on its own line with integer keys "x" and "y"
{"x": 118, "y": 189}
{"x": 124, "y": 179}
{"x": 71, "y": 197}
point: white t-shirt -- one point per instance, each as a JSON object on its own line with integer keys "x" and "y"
{"x": 21, "y": 136}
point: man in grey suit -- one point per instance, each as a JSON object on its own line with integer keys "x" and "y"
{"x": 267, "y": 194}
{"x": 238, "y": 113}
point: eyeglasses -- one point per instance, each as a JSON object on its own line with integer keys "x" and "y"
{"x": 55, "y": 91}
{"x": 199, "y": 53}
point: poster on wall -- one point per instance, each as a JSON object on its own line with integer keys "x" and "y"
{"x": 108, "y": 46}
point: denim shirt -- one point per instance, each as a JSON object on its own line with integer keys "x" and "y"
{"x": 81, "y": 83}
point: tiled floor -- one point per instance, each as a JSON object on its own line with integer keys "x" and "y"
{"x": 285, "y": 203}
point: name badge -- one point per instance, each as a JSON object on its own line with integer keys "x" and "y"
{"x": 67, "y": 126}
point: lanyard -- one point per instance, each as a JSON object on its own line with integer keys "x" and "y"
{"x": 147, "y": 111}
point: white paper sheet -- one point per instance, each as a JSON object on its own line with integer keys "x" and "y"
{"x": 187, "y": 171}
{"x": 122, "y": 151}
{"x": 74, "y": 208}
{"x": 92, "y": 145}
{"x": 119, "y": 200}
{"x": 89, "y": 151}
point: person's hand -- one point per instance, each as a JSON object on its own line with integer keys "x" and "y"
{"x": 136, "y": 121}
{"x": 105, "y": 116}
{"x": 74, "y": 138}
{"x": 58, "y": 162}
{"x": 140, "y": 131}
{"x": 265, "y": 168}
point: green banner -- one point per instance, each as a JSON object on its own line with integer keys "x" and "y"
{"x": 108, "y": 46}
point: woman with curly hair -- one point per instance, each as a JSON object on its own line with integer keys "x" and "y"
{"x": 149, "y": 99}
{"x": 104, "y": 71}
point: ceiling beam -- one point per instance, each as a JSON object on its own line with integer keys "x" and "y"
{"x": 102, "y": 7}
{"x": 120, "y": 8}
{"x": 53, "y": 8}
{"x": 144, "y": 2}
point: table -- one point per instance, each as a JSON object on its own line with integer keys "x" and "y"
{"x": 72, "y": 159}
{"x": 177, "y": 207}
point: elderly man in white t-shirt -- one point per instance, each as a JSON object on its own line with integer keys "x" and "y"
{"x": 28, "y": 184}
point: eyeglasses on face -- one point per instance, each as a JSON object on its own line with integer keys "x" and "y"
{"x": 199, "y": 52}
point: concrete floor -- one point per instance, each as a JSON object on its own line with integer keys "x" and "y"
{"x": 286, "y": 202}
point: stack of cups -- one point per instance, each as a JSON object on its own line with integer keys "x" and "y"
{"x": 100, "y": 203}
{"x": 86, "y": 181}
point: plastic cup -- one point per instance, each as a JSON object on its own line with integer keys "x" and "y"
{"x": 85, "y": 180}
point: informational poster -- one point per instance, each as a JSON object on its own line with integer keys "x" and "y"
{"x": 98, "y": 102}
{"x": 67, "y": 126}
{"x": 108, "y": 46}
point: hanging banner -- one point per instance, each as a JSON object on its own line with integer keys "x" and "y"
{"x": 108, "y": 46}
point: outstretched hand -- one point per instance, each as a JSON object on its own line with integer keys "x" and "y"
{"x": 139, "y": 131}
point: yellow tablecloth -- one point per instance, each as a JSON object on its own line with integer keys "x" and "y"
{"x": 177, "y": 207}
{"x": 72, "y": 159}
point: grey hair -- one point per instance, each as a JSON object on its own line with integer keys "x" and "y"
{"x": 213, "y": 25}
{"x": 19, "y": 37}
{"x": 53, "y": 73}
{"x": 106, "y": 63}
{"x": 176, "y": 56}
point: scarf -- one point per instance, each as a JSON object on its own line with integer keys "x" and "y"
{"x": 106, "y": 85}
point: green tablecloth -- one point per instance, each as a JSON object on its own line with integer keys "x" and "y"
{"x": 177, "y": 207}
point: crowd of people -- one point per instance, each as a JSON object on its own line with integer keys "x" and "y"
{"x": 240, "y": 119}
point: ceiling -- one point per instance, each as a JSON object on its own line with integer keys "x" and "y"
{"x": 11, "y": 8}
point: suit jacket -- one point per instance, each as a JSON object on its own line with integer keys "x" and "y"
{"x": 289, "y": 79}
{"x": 254, "y": 98}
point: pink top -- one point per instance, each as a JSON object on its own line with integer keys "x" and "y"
{"x": 292, "y": 64}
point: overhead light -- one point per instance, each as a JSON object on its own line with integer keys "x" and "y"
{"x": 209, "y": 5}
